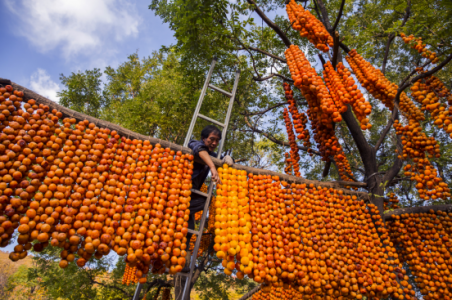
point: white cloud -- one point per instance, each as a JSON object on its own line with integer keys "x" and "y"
{"x": 41, "y": 83}
{"x": 75, "y": 26}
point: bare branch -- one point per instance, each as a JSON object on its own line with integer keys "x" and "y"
{"x": 260, "y": 78}
{"x": 335, "y": 49}
{"x": 275, "y": 140}
{"x": 326, "y": 170}
{"x": 408, "y": 82}
{"x": 324, "y": 12}
{"x": 385, "y": 59}
{"x": 394, "y": 116}
{"x": 339, "y": 16}
{"x": 110, "y": 286}
{"x": 393, "y": 35}
{"x": 265, "y": 110}
{"x": 265, "y": 53}
{"x": 270, "y": 24}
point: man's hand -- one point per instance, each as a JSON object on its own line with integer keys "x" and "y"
{"x": 215, "y": 175}
{"x": 206, "y": 158}
{"x": 228, "y": 160}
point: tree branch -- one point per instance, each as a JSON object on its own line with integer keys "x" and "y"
{"x": 393, "y": 35}
{"x": 397, "y": 165}
{"x": 275, "y": 140}
{"x": 394, "y": 116}
{"x": 263, "y": 111}
{"x": 326, "y": 170}
{"x": 335, "y": 49}
{"x": 260, "y": 78}
{"x": 385, "y": 59}
{"x": 365, "y": 150}
{"x": 270, "y": 24}
{"x": 408, "y": 82}
{"x": 339, "y": 15}
{"x": 326, "y": 19}
{"x": 265, "y": 53}
{"x": 110, "y": 286}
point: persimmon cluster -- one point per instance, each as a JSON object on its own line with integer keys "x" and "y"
{"x": 299, "y": 119}
{"x": 205, "y": 242}
{"x": 130, "y": 275}
{"x": 343, "y": 166}
{"x": 372, "y": 79}
{"x": 392, "y": 202}
{"x": 288, "y": 169}
{"x": 309, "y": 26}
{"x": 294, "y": 156}
{"x": 428, "y": 93}
{"x": 417, "y": 147}
{"x": 344, "y": 90}
{"x": 425, "y": 243}
{"x": 232, "y": 222}
{"x": 322, "y": 110}
{"x": 312, "y": 86}
{"x": 88, "y": 191}
{"x": 380, "y": 87}
{"x": 416, "y": 44}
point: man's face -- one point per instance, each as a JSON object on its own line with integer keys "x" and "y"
{"x": 212, "y": 141}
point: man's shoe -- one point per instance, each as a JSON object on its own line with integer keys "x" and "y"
{"x": 185, "y": 269}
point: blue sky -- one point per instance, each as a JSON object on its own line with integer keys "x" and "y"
{"x": 42, "y": 39}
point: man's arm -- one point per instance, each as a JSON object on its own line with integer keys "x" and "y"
{"x": 204, "y": 155}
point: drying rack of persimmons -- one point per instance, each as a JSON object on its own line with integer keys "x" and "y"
{"x": 89, "y": 187}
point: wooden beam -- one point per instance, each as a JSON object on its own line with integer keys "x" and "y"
{"x": 29, "y": 94}
{"x": 417, "y": 210}
{"x": 250, "y": 293}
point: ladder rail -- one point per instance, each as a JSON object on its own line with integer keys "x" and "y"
{"x": 200, "y": 100}
{"x": 228, "y": 114}
{"x": 187, "y": 285}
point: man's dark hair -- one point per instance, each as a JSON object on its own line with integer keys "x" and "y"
{"x": 208, "y": 130}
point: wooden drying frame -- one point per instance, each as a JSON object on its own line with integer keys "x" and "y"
{"x": 29, "y": 94}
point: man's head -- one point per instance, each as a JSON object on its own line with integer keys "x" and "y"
{"x": 211, "y": 137}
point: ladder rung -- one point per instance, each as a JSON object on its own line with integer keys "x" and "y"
{"x": 199, "y": 193}
{"x": 220, "y": 90}
{"x": 210, "y": 120}
{"x": 183, "y": 274}
{"x": 193, "y": 231}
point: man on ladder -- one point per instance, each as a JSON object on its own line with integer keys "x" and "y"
{"x": 204, "y": 149}
{"x": 210, "y": 139}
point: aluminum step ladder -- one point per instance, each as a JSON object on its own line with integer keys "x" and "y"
{"x": 188, "y": 276}
{"x": 208, "y": 195}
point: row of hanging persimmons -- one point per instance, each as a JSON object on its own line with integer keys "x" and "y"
{"x": 329, "y": 97}
{"x": 311, "y": 242}
{"x": 88, "y": 191}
